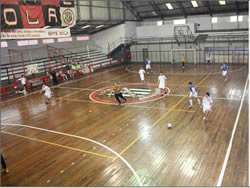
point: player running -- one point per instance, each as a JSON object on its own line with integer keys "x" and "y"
{"x": 192, "y": 94}
{"x": 224, "y": 69}
{"x": 141, "y": 74}
{"x": 206, "y": 105}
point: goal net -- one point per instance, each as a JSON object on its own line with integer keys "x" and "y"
{"x": 189, "y": 55}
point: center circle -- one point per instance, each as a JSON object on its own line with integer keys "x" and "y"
{"x": 135, "y": 93}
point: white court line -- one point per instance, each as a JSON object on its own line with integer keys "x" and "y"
{"x": 76, "y": 88}
{"x": 86, "y": 139}
{"x": 186, "y": 74}
{"x": 220, "y": 179}
{"x": 171, "y": 95}
{"x": 216, "y": 98}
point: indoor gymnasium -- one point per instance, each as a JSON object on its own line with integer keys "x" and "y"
{"x": 124, "y": 93}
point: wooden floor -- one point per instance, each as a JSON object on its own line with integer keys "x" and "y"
{"x": 73, "y": 141}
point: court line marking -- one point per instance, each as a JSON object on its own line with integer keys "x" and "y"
{"x": 128, "y": 105}
{"x": 215, "y": 98}
{"x": 223, "y": 169}
{"x": 157, "y": 121}
{"x": 86, "y": 139}
{"x": 186, "y": 74}
{"x": 76, "y": 88}
{"x": 64, "y": 83}
{"x": 70, "y": 94}
{"x": 58, "y": 145}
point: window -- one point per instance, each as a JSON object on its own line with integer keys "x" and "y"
{"x": 179, "y": 21}
{"x": 214, "y": 19}
{"x": 159, "y": 23}
{"x": 240, "y": 18}
{"x": 233, "y": 18}
{"x": 48, "y": 41}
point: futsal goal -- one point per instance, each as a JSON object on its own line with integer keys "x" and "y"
{"x": 190, "y": 55}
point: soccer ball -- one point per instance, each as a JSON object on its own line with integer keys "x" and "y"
{"x": 169, "y": 125}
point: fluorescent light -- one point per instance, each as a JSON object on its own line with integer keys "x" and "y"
{"x": 99, "y": 26}
{"x": 214, "y": 19}
{"x": 222, "y": 2}
{"x": 233, "y": 18}
{"x": 194, "y": 3}
{"x": 180, "y": 22}
{"x": 86, "y": 26}
{"x": 159, "y": 23}
{"x": 240, "y": 18}
{"x": 170, "y": 7}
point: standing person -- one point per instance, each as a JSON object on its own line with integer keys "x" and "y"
{"x": 162, "y": 80}
{"x": 207, "y": 105}
{"x": 47, "y": 92}
{"x": 118, "y": 94}
{"x": 192, "y": 94}
{"x": 141, "y": 74}
{"x": 3, "y": 164}
{"x": 148, "y": 65}
{"x": 23, "y": 81}
{"x": 183, "y": 61}
{"x": 54, "y": 77}
{"x": 224, "y": 69}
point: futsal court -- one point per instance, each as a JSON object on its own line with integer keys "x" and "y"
{"x": 124, "y": 93}
{"x": 77, "y": 142}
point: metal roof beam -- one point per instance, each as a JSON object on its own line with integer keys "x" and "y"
{"x": 130, "y": 7}
{"x": 156, "y": 9}
{"x": 209, "y": 8}
{"x": 182, "y": 8}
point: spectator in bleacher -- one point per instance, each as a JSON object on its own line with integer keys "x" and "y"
{"x": 23, "y": 81}
{"x": 54, "y": 77}
{"x": 62, "y": 75}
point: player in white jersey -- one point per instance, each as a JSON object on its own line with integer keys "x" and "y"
{"x": 47, "y": 92}
{"x": 192, "y": 94}
{"x": 224, "y": 69}
{"x": 23, "y": 81}
{"x": 148, "y": 65}
{"x": 206, "y": 105}
{"x": 141, "y": 74}
{"x": 162, "y": 82}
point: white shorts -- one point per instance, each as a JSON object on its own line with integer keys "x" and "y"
{"x": 193, "y": 94}
{"x": 48, "y": 96}
{"x": 148, "y": 66}
{"x": 224, "y": 73}
{"x": 142, "y": 77}
{"x": 162, "y": 86}
{"x": 206, "y": 108}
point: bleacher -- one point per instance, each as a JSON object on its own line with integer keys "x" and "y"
{"x": 90, "y": 60}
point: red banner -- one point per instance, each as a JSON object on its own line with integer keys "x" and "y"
{"x": 32, "y": 16}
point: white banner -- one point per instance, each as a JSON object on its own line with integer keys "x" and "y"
{"x": 68, "y": 16}
{"x": 35, "y": 33}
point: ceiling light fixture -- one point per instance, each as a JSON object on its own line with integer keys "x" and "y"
{"x": 222, "y": 2}
{"x": 170, "y": 7}
{"x": 99, "y": 26}
{"x": 86, "y": 26}
{"x": 194, "y": 3}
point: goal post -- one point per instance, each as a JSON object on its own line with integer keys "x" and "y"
{"x": 189, "y": 54}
